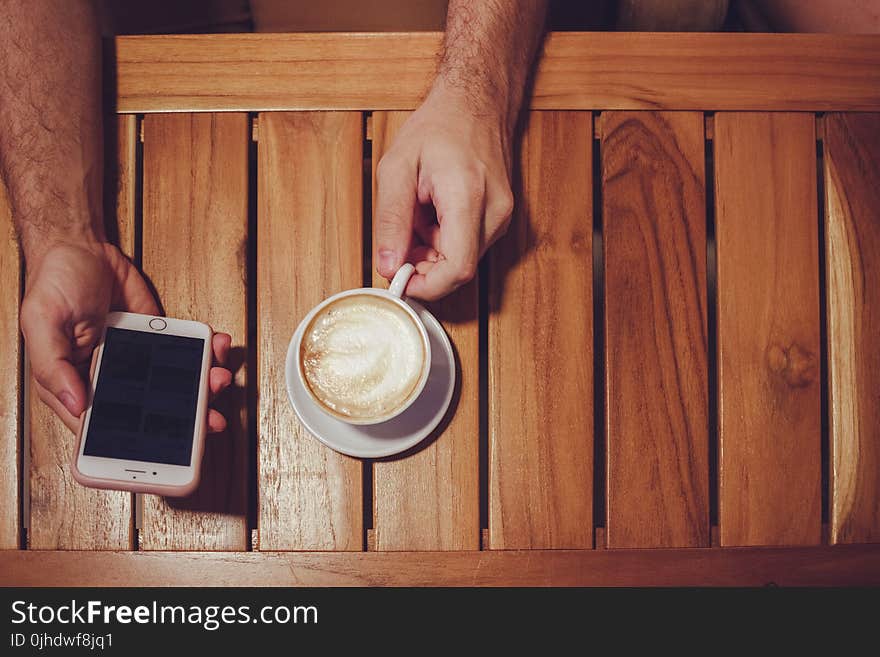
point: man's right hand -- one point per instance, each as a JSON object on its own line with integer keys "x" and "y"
{"x": 69, "y": 290}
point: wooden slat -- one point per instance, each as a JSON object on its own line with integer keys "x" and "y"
{"x": 541, "y": 345}
{"x": 654, "y": 216}
{"x": 577, "y": 71}
{"x": 768, "y": 329}
{"x": 852, "y": 260}
{"x": 123, "y": 195}
{"x": 10, "y": 393}
{"x": 195, "y": 253}
{"x": 429, "y": 500}
{"x": 797, "y": 566}
{"x": 63, "y": 514}
{"x": 309, "y": 246}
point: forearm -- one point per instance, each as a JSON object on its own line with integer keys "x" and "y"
{"x": 839, "y": 16}
{"x": 487, "y": 53}
{"x": 50, "y": 122}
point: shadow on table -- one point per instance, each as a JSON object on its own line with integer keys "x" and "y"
{"x": 223, "y": 484}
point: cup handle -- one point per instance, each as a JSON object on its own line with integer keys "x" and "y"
{"x": 401, "y": 278}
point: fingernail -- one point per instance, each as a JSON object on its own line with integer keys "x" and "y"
{"x": 68, "y": 401}
{"x": 387, "y": 261}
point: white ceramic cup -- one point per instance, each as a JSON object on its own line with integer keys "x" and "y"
{"x": 395, "y": 294}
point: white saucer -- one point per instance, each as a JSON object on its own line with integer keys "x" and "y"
{"x": 397, "y": 434}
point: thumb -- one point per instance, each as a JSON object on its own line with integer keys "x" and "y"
{"x": 49, "y": 349}
{"x": 396, "y": 184}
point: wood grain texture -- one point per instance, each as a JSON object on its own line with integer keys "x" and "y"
{"x": 768, "y": 329}
{"x": 429, "y": 500}
{"x": 10, "y": 371}
{"x": 123, "y": 196}
{"x": 195, "y": 253}
{"x": 577, "y": 71}
{"x": 309, "y": 246}
{"x": 541, "y": 345}
{"x": 63, "y": 514}
{"x": 852, "y": 261}
{"x": 840, "y": 565}
{"x": 656, "y": 381}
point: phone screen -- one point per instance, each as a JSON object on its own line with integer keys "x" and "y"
{"x": 144, "y": 407}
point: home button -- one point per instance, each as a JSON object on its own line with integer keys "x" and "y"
{"x": 158, "y": 324}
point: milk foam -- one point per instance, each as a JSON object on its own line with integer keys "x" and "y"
{"x": 362, "y": 356}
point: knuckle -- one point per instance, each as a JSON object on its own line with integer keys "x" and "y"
{"x": 388, "y": 166}
{"x": 41, "y": 375}
{"x": 474, "y": 182}
{"x": 477, "y": 172}
{"x": 503, "y": 206}
{"x": 28, "y": 315}
{"x": 43, "y": 382}
{"x": 44, "y": 394}
{"x": 465, "y": 273}
{"x": 467, "y": 181}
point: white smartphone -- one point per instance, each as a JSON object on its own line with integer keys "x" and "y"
{"x": 144, "y": 427}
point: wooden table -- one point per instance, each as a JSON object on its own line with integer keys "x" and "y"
{"x": 669, "y": 367}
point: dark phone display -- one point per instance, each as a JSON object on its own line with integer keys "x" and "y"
{"x": 144, "y": 407}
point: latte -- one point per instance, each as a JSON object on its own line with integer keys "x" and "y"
{"x": 363, "y": 357}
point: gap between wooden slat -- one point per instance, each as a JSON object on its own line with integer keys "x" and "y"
{"x": 369, "y": 543}
{"x": 252, "y": 393}
{"x": 710, "y": 125}
{"x": 11, "y": 408}
{"x": 823, "y": 326}
{"x": 712, "y": 324}
{"x": 137, "y": 259}
{"x": 483, "y": 446}
{"x": 25, "y": 457}
{"x": 599, "y": 419}
{"x": 23, "y": 469}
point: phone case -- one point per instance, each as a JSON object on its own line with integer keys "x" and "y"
{"x": 145, "y": 487}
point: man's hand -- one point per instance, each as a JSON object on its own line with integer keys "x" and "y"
{"x": 51, "y": 144}
{"x": 443, "y": 194}
{"x": 69, "y": 290}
